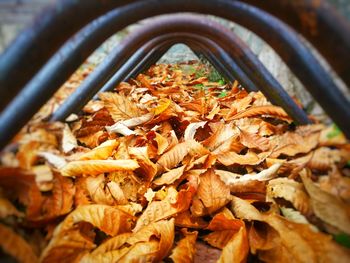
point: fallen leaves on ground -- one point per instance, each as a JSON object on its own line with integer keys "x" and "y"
{"x": 174, "y": 167}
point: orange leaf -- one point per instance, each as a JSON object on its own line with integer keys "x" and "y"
{"x": 185, "y": 219}
{"x": 14, "y": 245}
{"x": 237, "y": 248}
{"x": 119, "y": 106}
{"x": 185, "y": 248}
{"x": 269, "y": 110}
{"x": 171, "y": 176}
{"x": 176, "y": 154}
{"x": 69, "y": 247}
{"x": 254, "y": 141}
{"x": 212, "y": 191}
{"x": 61, "y": 201}
{"x": 21, "y": 185}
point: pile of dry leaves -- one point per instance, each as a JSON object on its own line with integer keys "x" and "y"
{"x": 174, "y": 167}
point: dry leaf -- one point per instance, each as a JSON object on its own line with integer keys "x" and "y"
{"x": 176, "y": 154}
{"x": 14, "y": 245}
{"x": 119, "y": 106}
{"x": 69, "y": 142}
{"x": 212, "y": 191}
{"x": 101, "y": 152}
{"x": 250, "y": 158}
{"x": 8, "y": 209}
{"x": 289, "y": 190}
{"x": 324, "y": 206}
{"x": 254, "y": 141}
{"x": 185, "y": 248}
{"x": 237, "y": 248}
{"x": 171, "y": 176}
{"x": 96, "y": 167}
{"x": 269, "y": 110}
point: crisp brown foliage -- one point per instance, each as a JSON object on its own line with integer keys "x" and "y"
{"x": 173, "y": 167}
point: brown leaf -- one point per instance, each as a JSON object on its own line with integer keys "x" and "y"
{"x": 254, "y": 141}
{"x": 61, "y": 201}
{"x": 269, "y": 110}
{"x": 174, "y": 202}
{"x": 292, "y": 143}
{"x": 171, "y": 176}
{"x": 212, "y": 191}
{"x": 324, "y": 206}
{"x": 185, "y": 248}
{"x": 96, "y": 167}
{"x": 186, "y": 219}
{"x": 291, "y": 191}
{"x": 119, "y": 106}
{"x": 250, "y": 158}
{"x": 8, "y": 209}
{"x": 14, "y": 245}
{"x": 297, "y": 242}
{"x": 176, "y": 154}
{"x": 20, "y": 184}
{"x": 237, "y": 248}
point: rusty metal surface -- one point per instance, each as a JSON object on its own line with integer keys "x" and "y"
{"x": 329, "y": 32}
{"x": 181, "y": 24}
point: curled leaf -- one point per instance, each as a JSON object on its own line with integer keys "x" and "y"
{"x": 291, "y": 191}
{"x": 95, "y": 167}
{"x": 324, "y": 204}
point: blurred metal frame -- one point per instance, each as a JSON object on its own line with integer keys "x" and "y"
{"x": 201, "y": 46}
{"x": 324, "y": 28}
{"x": 158, "y": 30}
{"x": 29, "y": 52}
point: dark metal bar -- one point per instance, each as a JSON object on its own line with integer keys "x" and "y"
{"x": 225, "y": 65}
{"x": 243, "y": 56}
{"x": 316, "y": 20}
{"x": 75, "y": 52}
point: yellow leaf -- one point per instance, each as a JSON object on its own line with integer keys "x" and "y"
{"x": 96, "y": 167}
{"x": 163, "y": 104}
{"x": 101, "y": 152}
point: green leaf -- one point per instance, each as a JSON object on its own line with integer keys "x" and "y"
{"x": 334, "y": 132}
{"x": 199, "y": 85}
{"x": 342, "y": 239}
{"x": 348, "y": 163}
{"x": 222, "y": 94}
{"x": 221, "y": 82}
